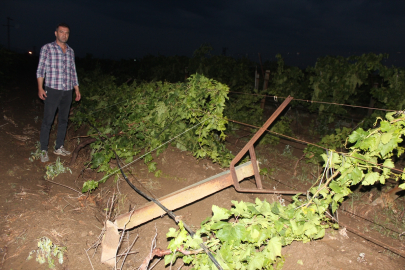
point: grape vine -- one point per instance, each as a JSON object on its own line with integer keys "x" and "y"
{"x": 251, "y": 235}
{"x": 152, "y": 114}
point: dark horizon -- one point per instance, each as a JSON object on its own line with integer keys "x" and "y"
{"x": 300, "y": 31}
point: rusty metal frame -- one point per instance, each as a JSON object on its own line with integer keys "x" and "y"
{"x": 183, "y": 197}
{"x": 250, "y": 147}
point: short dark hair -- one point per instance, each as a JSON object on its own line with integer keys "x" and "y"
{"x": 63, "y": 25}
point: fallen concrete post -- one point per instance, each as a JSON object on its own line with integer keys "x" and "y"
{"x": 171, "y": 201}
{"x": 183, "y": 197}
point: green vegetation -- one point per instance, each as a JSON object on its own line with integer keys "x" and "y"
{"x": 152, "y": 114}
{"x": 47, "y": 249}
{"x": 139, "y": 105}
{"x": 37, "y": 153}
{"x": 53, "y": 170}
{"x": 251, "y": 235}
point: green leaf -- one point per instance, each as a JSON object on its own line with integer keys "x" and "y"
{"x": 389, "y": 163}
{"x": 220, "y": 213}
{"x": 152, "y": 166}
{"x": 390, "y": 116}
{"x": 147, "y": 158}
{"x": 335, "y": 187}
{"x": 386, "y": 172}
{"x": 274, "y": 248}
{"x": 357, "y": 135}
{"x": 171, "y": 258}
{"x": 89, "y": 186}
{"x": 181, "y": 146}
{"x": 172, "y": 233}
{"x": 389, "y": 146}
{"x": 158, "y": 173}
{"x": 320, "y": 234}
{"x": 254, "y": 234}
{"x": 386, "y": 137}
{"x": 236, "y": 233}
{"x": 246, "y": 253}
{"x": 356, "y": 176}
{"x": 179, "y": 239}
{"x": 275, "y": 209}
{"x": 370, "y": 178}
{"x": 219, "y": 225}
{"x": 97, "y": 160}
{"x": 338, "y": 197}
{"x": 257, "y": 261}
{"x": 385, "y": 126}
{"x": 188, "y": 259}
{"x": 240, "y": 208}
{"x": 334, "y": 206}
{"x": 226, "y": 252}
{"x": 265, "y": 209}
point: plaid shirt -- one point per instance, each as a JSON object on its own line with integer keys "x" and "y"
{"x": 59, "y": 67}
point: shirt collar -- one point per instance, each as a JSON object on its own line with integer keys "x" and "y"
{"x": 57, "y": 46}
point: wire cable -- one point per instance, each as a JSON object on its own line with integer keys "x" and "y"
{"x": 169, "y": 213}
{"x": 175, "y": 137}
{"x": 309, "y": 143}
{"x": 314, "y": 101}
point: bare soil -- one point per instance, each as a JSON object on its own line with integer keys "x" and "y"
{"x": 31, "y": 208}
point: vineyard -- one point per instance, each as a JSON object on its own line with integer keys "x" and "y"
{"x": 341, "y": 137}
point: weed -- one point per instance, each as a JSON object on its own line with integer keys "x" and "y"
{"x": 45, "y": 249}
{"x": 121, "y": 204}
{"x": 151, "y": 184}
{"x": 175, "y": 178}
{"x": 267, "y": 172}
{"x": 21, "y": 239}
{"x": 302, "y": 177}
{"x": 386, "y": 223}
{"x": 391, "y": 254}
{"x": 37, "y": 153}
{"x": 13, "y": 185}
{"x": 354, "y": 197}
{"x": 305, "y": 171}
{"x": 158, "y": 173}
{"x": 287, "y": 151}
{"x": 55, "y": 169}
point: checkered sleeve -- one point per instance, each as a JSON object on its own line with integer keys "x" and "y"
{"x": 43, "y": 56}
{"x": 74, "y": 72}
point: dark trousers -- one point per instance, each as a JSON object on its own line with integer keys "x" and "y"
{"x": 56, "y": 99}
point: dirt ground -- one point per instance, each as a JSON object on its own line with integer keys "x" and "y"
{"x": 32, "y": 208}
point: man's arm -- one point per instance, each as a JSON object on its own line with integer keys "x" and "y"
{"x": 78, "y": 96}
{"x": 41, "y": 72}
{"x": 41, "y": 91}
{"x": 75, "y": 80}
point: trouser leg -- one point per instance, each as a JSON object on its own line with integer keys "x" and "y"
{"x": 51, "y": 104}
{"x": 63, "y": 116}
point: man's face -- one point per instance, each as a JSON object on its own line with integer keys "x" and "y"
{"x": 62, "y": 34}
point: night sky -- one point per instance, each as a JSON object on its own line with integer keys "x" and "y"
{"x": 300, "y": 30}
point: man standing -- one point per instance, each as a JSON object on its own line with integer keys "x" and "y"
{"x": 57, "y": 66}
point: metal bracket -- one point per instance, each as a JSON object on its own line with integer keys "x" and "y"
{"x": 250, "y": 147}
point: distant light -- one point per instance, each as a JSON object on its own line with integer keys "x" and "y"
{"x": 29, "y": 52}
{"x": 135, "y": 59}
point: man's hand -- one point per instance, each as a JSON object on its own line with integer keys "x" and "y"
{"x": 41, "y": 93}
{"x": 77, "y": 92}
